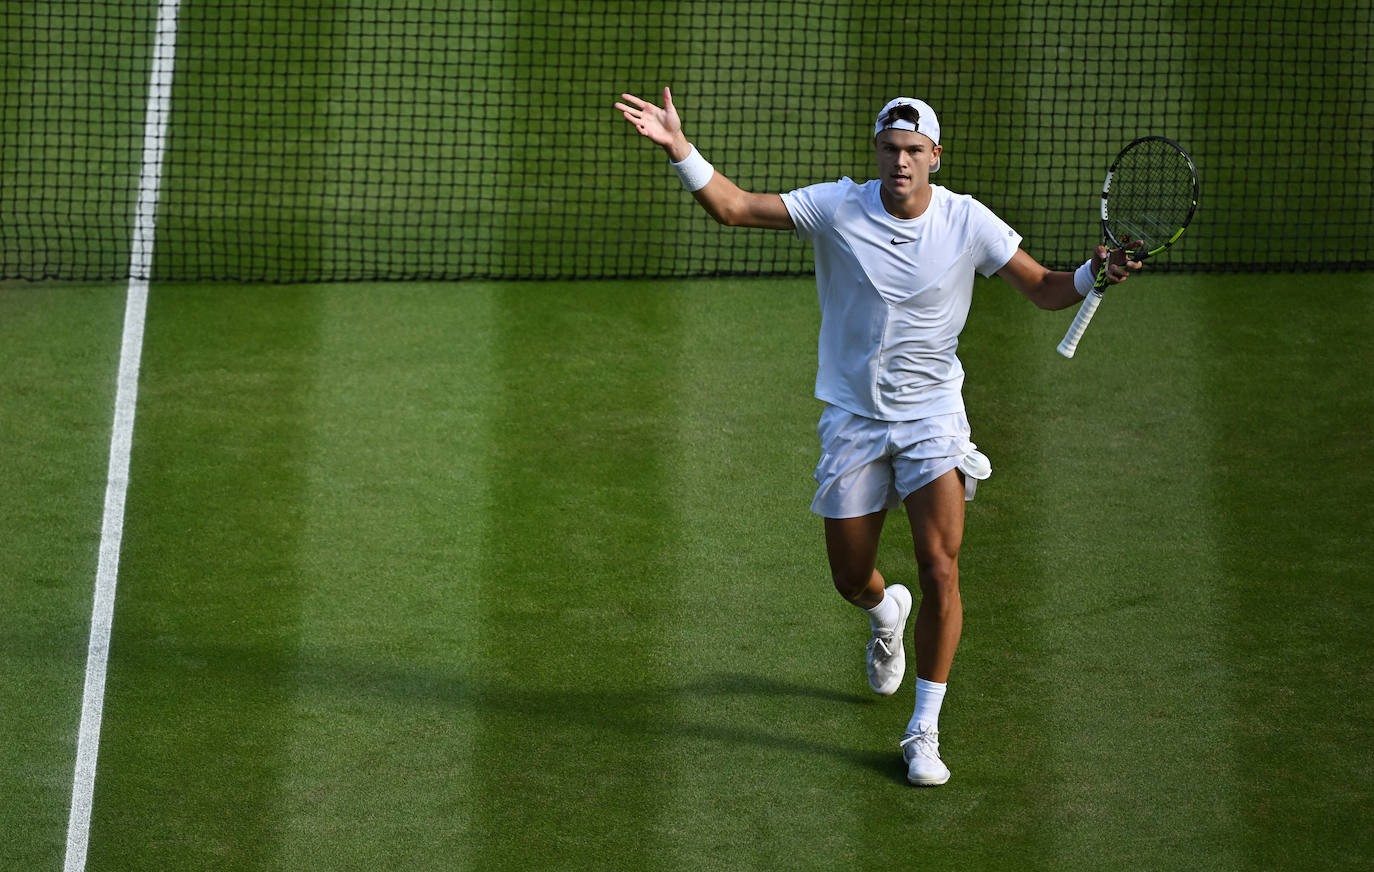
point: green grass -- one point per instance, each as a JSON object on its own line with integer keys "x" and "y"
{"x": 61, "y": 348}
{"x": 511, "y": 576}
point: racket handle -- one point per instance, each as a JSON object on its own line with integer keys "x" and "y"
{"x": 1069, "y": 344}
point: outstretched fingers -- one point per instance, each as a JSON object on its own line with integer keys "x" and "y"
{"x": 631, "y": 98}
{"x": 639, "y": 112}
{"x": 658, "y": 123}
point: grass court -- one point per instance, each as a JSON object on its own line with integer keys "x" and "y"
{"x": 521, "y": 575}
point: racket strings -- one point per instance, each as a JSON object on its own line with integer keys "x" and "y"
{"x": 1152, "y": 194}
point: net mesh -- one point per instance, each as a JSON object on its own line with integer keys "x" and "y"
{"x": 393, "y": 139}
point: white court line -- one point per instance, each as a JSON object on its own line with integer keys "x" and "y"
{"x": 121, "y": 439}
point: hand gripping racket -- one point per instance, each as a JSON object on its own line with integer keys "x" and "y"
{"x": 1153, "y": 194}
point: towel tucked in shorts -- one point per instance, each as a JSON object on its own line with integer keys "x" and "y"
{"x": 867, "y": 466}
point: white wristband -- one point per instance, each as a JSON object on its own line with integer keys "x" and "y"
{"x": 1084, "y": 279}
{"x": 694, "y": 170}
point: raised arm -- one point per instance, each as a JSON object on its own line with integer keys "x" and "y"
{"x": 723, "y": 199}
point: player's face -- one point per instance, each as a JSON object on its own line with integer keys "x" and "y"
{"x": 905, "y": 159}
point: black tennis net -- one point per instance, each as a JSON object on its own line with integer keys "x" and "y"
{"x": 317, "y": 140}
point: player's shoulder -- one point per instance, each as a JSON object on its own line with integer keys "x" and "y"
{"x": 957, "y": 204}
{"x": 949, "y": 200}
{"x": 841, "y": 187}
{"x": 823, "y": 199}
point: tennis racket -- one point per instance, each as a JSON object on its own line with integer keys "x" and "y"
{"x": 1152, "y": 186}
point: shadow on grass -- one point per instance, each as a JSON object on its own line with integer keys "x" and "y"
{"x": 637, "y": 711}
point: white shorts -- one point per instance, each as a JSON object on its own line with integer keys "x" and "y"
{"x": 867, "y": 466}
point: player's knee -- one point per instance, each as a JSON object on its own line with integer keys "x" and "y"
{"x": 850, "y": 585}
{"x": 940, "y": 578}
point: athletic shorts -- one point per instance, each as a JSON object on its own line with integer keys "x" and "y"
{"x": 867, "y": 466}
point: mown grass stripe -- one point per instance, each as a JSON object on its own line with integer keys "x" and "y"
{"x": 1131, "y": 623}
{"x": 568, "y": 672}
{"x": 55, "y": 401}
{"x": 204, "y": 649}
{"x": 384, "y": 705}
{"x": 767, "y": 706}
{"x": 1287, "y": 371}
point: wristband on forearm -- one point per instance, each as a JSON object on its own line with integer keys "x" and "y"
{"x": 694, "y": 170}
{"x": 1084, "y": 278}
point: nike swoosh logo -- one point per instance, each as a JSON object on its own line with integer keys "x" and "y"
{"x": 896, "y": 241}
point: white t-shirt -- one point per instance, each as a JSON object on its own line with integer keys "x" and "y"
{"x": 894, "y": 294}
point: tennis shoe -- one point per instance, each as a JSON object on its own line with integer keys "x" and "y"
{"x": 886, "y": 658}
{"x": 921, "y": 751}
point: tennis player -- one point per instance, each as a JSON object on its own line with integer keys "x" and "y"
{"x": 895, "y": 261}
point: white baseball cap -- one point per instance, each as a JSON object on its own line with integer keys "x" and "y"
{"x": 926, "y": 122}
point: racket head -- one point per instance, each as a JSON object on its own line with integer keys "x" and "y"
{"x": 1149, "y": 196}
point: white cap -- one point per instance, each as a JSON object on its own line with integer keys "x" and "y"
{"x": 926, "y": 122}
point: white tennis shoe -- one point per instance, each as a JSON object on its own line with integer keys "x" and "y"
{"x": 921, "y": 751}
{"x": 886, "y": 655}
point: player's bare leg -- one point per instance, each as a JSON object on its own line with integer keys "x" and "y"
{"x": 852, "y": 546}
{"x": 936, "y": 512}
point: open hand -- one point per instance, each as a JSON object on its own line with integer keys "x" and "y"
{"x": 660, "y": 125}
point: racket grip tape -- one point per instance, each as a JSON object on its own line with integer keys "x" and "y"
{"x": 1080, "y": 323}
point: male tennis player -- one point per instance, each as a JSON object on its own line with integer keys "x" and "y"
{"x": 895, "y": 261}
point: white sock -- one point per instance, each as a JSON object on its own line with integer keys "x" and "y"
{"x": 884, "y": 614}
{"x": 929, "y": 696}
